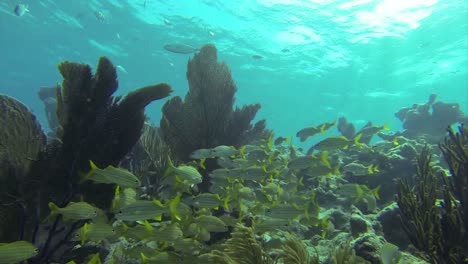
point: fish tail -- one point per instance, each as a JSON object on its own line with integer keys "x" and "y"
{"x": 324, "y": 158}
{"x": 173, "y": 208}
{"x": 375, "y": 192}
{"x": 336, "y": 170}
{"x": 376, "y": 168}
{"x": 370, "y": 169}
{"x": 242, "y": 152}
{"x": 322, "y": 129}
{"x": 84, "y": 231}
{"x": 144, "y": 258}
{"x": 54, "y": 209}
{"x": 202, "y": 163}
{"x": 386, "y": 126}
{"x": 356, "y": 140}
{"x": 148, "y": 226}
{"x": 226, "y": 202}
{"x": 85, "y": 177}
{"x": 169, "y": 167}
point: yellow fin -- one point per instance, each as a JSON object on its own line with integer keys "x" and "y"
{"x": 375, "y": 192}
{"x": 173, "y": 208}
{"x": 202, "y": 163}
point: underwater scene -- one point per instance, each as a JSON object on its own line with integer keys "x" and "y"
{"x": 234, "y": 132}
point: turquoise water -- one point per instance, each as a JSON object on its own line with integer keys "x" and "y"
{"x": 360, "y": 59}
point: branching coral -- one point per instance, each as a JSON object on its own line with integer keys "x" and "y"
{"x": 295, "y": 252}
{"x": 151, "y": 159}
{"x": 93, "y": 125}
{"x": 244, "y": 248}
{"x": 434, "y": 227}
{"x": 206, "y": 117}
{"x": 344, "y": 254}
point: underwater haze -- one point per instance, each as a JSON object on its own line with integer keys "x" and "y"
{"x": 234, "y": 131}
{"x": 305, "y": 61}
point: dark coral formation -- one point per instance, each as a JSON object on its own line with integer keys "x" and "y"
{"x": 21, "y": 141}
{"x": 436, "y": 227}
{"x": 206, "y": 117}
{"x": 93, "y": 124}
{"x": 430, "y": 118}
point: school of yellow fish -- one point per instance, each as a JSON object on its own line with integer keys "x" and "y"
{"x": 266, "y": 184}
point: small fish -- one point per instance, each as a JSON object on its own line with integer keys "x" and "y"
{"x": 184, "y": 174}
{"x": 123, "y": 198}
{"x": 169, "y": 233}
{"x": 284, "y": 211}
{"x": 302, "y": 162}
{"x": 111, "y": 175}
{"x": 279, "y": 140}
{"x": 99, "y": 15}
{"x": 74, "y": 211}
{"x": 369, "y": 131}
{"x": 322, "y": 170}
{"x": 285, "y": 50}
{"x": 188, "y": 246}
{"x": 270, "y": 224}
{"x": 358, "y": 192}
{"x": 224, "y": 151}
{"x": 357, "y": 169}
{"x": 207, "y": 200}
{"x": 21, "y": 9}
{"x": 180, "y": 48}
{"x": 211, "y": 223}
{"x": 257, "y": 57}
{"x": 122, "y": 69}
{"x": 17, "y": 251}
{"x": 95, "y": 232}
{"x": 167, "y": 22}
{"x": 334, "y": 142}
{"x": 307, "y": 132}
{"x": 142, "y": 210}
{"x": 201, "y": 154}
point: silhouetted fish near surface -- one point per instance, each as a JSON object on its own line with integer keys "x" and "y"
{"x": 180, "y": 48}
{"x": 257, "y": 57}
{"x": 21, "y": 9}
{"x": 285, "y": 50}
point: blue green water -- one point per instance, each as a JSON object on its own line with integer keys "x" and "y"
{"x": 360, "y": 59}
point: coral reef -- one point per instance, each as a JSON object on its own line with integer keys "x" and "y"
{"x": 149, "y": 159}
{"x": 21, "y": 141}
{"x": 96, "y": 126}
{"x": 206, "y": 117}
{"x": 430, "y": 118}
{"x": 435, "y": 227}
{"x": 93, "y": 125}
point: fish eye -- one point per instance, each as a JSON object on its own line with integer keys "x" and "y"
{"x": 120, "y": 212}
